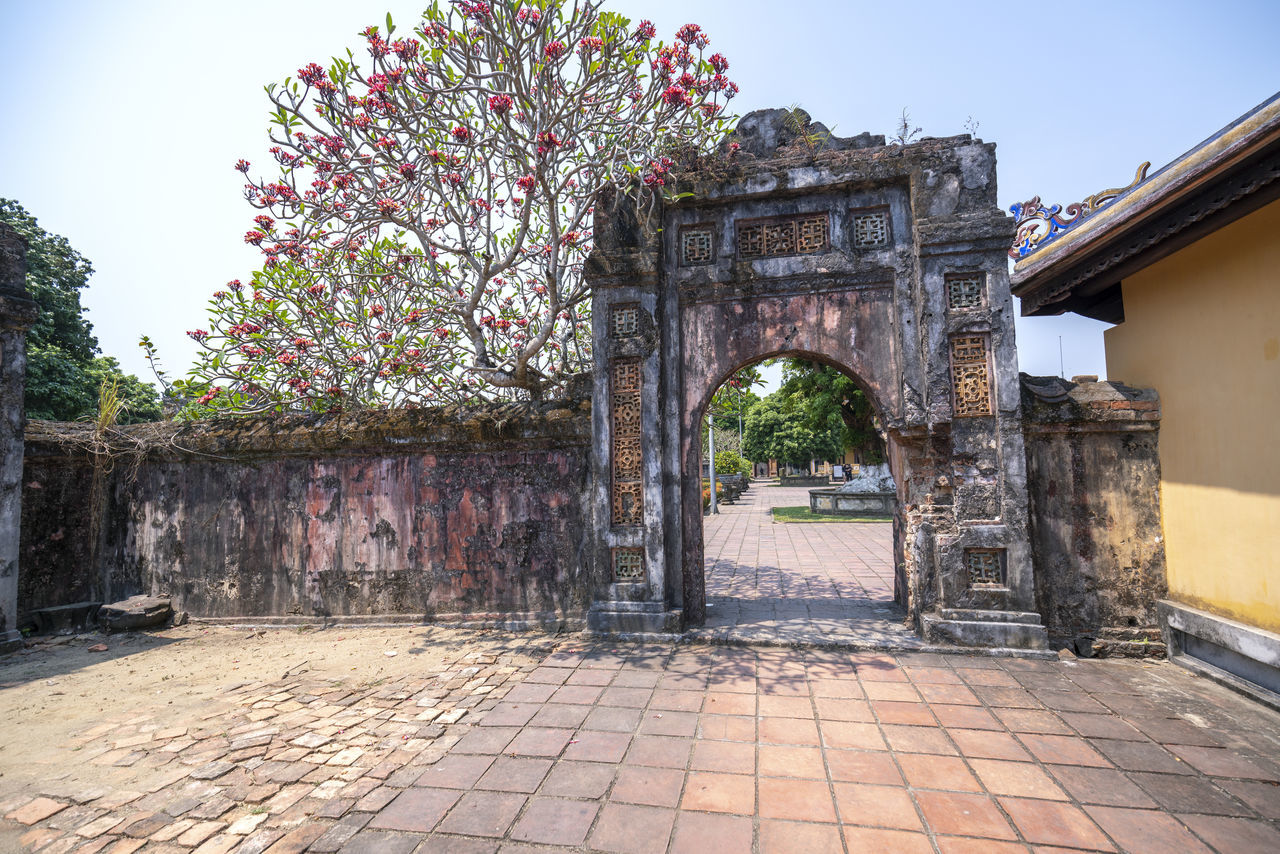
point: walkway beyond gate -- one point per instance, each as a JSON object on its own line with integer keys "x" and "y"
{"x": 799, "y": 583}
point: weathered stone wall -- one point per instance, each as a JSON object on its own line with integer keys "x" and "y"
{"x": 1094, "y": 485}
{"x": 478, "y": 512}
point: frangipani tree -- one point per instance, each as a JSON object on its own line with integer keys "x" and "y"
{"x": 424, "y": 236}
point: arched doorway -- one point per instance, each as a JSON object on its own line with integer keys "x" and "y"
{"x": 772, "y": 570}
{"x": 887, "y": 261}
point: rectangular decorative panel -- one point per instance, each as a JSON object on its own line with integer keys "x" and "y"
{"x": 626, "y": 321}
{"x": 986, "y": 567}
{"x": 628, "y": 494}
{"x": 871, "y": 229}
{"x": 965, "y": 292}
{"x": 697, "y": 245}
{"x": 628, "y": 566}
{"x": 790, "y": 235}
{"x": 970, "y": 376}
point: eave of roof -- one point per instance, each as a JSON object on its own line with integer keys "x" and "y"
{"x": 1082, "y": 263}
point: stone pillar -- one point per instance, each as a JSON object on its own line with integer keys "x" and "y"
{"x": 17, "y": 313}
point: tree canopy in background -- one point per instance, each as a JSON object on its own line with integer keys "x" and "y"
{"x": 780, "y": 428}
{"x": 820, "y": 392}
{"x": 65, "y": 368}
{"x": 424, "y": 232}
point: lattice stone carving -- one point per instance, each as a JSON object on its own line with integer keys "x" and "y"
{"x": 965, "y": 292}
{"x": 626, "y": 321}
{"x": 628, "y": 566}
{"x": 793, "y": 235}
{"x": 970, "y": 376}
{"x": 986, "y": 567}
{"x": 871, "y": 229}
{"x": 628, "y": 494}
{"x": 697, "y": 245}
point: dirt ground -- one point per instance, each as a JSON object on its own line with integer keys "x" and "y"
{"x": 57, "y": 687}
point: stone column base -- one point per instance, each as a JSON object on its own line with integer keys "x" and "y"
{"x": 990, "y": 629}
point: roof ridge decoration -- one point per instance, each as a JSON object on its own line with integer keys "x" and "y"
{"x": 1039, "y": 226}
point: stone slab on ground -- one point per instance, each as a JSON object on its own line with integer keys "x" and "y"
{"x": 136, "y": 612}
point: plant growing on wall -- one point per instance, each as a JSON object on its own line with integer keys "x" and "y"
{"x": 424, "y": 235}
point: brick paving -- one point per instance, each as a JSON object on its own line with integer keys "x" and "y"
{"x": 825, "y": 583}
{"x": 630, "y": 748}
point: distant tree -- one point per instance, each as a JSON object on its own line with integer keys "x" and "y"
{"x": 821, "y": 391}
{"x": 425, "y": 231}
{"x": 64, "y": 365}
{"x": 779, "y": 428}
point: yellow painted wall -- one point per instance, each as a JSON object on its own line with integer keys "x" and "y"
{"x": 1202, "y": 327}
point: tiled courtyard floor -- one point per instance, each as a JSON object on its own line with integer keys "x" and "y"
{"x": 822, "y": 583}
{"x": 626, "y": 748}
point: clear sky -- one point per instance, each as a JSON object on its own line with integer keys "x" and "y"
{"x": 120, "y": 120}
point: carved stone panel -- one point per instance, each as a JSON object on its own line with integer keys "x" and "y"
{"x": 697, "y": 245}
{"x": 628, "y": 566}
{"x": 871, "y": 229}
{"x": 625, "y": 321}
{"x": 628, "y": 493}
{"x": 970, "y": 377}
{"x": 965, "y": 292}
{"x": 787, "y": 235}
{"x": 986, "y": 567}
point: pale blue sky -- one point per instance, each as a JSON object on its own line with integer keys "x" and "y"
{"x": 122, "y": 119}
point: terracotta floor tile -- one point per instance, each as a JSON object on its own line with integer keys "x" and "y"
{"x": 549, "y": 675}
{"x": 659, "y": 750}
{"x": 798, "y": 800}
{"x": 911, "y": 714}
{"x": 902, "y": 692}
{"x": 876, "y": 806}
{"x": 659, "y": 787}
{"x": 1184, "y": 793}
{"x": 957, "y": 695}
{"x": 699, "y": 833}
{"x": 1101, "y": 726}
{"x": 1020, "y": 779}
{"x": 455, "y": 771}
{"x": 539, "y": 741}
{"x": 508, "y": 774}
{"x": 578, "y": 780}
{"x": 1105, "y": 786}
{"x": 1069, "y": 701}
{"x": 918, "y": 739}
{"x": 1063, "y": 750}
{"x": 510, "y": 714}
{"x": 785, "y": 707}
{"x": 966, "y": 717}
{"x": 729, "y": 757}
{"x": 612, "y": 719}
{"x": 986, "y": 676}
{"x": 1140, "y": 756}
{"x": 590, "y": 746}
{"x": 481, "y": 814}
{"x": 552, "y": 821}
{"x": 629, "y": 678}
{"x": 1052, "y": 823}
{"x": 843, "y": 734}
{"x": 860, "y": 766}
{"x": 486, "y": 740}
{"x": 586, "y": 676}
{"x": 1145, "y": 831}
{"x": 722, "y": 703}
{"x": 629, "y": 698}
{"x": 783, "y": 687}
{"x": 631, "y": 829}
{"x": 560, "y": 715}
{"x": 669, "y": 723}
{"x": 1168, "y": 730}
{"x": 924, "y": 771}
{"x": 959, "y": 814}
{"x": 727, "y": 727}
{"x": 729, "y": 793}
{"x": 788, "y": 731}
{"x": 676, "y": 701}
{"x": 1006, "y": 698}
{"x": 1220, "y": 762}
{"x": 1263, "y": 797}
{"x": 969, "y": 845}
{"x": 932, "y": 675}
{"x": 839, "y": 709}
{"x": 1234, "y": 835}
{"x": 843, "y": 689}
{"x": 529, "y": 692}
{"x": 416, "y": 810}
{"x": 789, "y": 837}
{"x": 1032, "y": 720}
{"x": 577, "y": 694}
{"x": 801, "y": 762}
{"x": 874, "y": 840}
